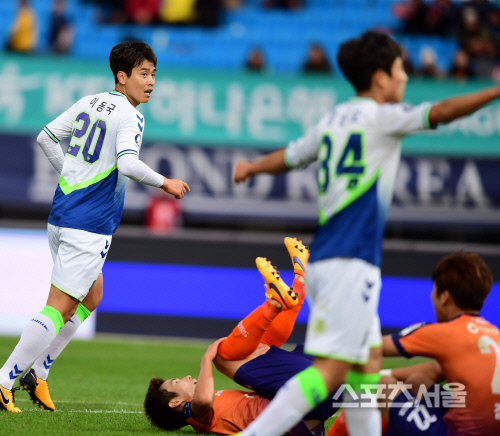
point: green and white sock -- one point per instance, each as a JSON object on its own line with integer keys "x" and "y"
{"x": 36, "y": 337}
{"x": 43, "y": 364}
{"x": 362, "y": 420}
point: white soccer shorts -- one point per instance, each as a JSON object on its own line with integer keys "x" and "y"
{"x": 343, "y": 323}
{"x": 78, "y": 259}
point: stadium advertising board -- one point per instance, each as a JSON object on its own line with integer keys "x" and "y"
{"x": 226, "y": 109}
{"x": 428, "y": 189}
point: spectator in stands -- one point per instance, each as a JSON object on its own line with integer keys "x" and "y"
{"x": 317, "y": 61}
{"x": 111, "y": 11}
{"x": 142, "y": 12}
{"x": 23, "y": 36}
{"x": 428, "y": 68}
{"x": 202, "y": 12}
{"x": 61, "y": 31}
{"x": 442, "y": 18}
{"x": 461, "y": 68}
{"x": 413, "y": 15}
{"x": 255, "y": 61}
{"x": 475, "y": 40}
{"x": 283, "y": 4}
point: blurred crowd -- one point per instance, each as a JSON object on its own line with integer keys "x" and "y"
{"x": 475, "y": 24}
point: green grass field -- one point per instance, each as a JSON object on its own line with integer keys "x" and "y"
{"x": 98, "y": 386}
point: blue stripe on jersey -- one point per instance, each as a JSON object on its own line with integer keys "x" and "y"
{"x": 356, "y": 231}
{"x": 97, "y": 208}
{"x": 129, "y": 151}
{"x": 51, "y": 135}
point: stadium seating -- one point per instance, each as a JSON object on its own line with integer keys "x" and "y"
{"x": 284, "y": 36}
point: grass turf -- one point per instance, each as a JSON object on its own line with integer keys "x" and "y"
{"x": 98, "y": 386}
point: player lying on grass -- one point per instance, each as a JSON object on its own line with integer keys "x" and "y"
{"x": 467, "y": 352}
{"x": 250, "y": 356}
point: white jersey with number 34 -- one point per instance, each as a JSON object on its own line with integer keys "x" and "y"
{"x": 357, "y": 146}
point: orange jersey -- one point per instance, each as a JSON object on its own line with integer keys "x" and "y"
{"x": 468, "y": 350}
{"x": 232, "y": 412}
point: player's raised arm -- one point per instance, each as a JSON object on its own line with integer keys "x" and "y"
{"x": 203, "y": 399}
{"x": 456, "y": 107}
{"x": 271, "y": 163}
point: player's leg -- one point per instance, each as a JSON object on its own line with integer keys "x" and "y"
{"x": 78, "y": 260}
{"x": 34, "y": 381}
{"x": 281, "y": 328}
{"x": 247, "y": 335}
{"x": 344, "y": 294}
{"x": 361, "y": 419}
{"x": 35, "y": 338}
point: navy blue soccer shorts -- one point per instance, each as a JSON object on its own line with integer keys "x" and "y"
{"x": 424, "y": 419}
{"x": 267, "y": 373}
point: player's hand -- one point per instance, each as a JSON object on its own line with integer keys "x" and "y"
{"x": 242, "y": 171}
{"x": 175, "y": 187}
{"x": 212, "y": 349}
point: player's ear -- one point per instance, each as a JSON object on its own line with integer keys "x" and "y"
{"x": 445, "y": 297}
{"x": 122, "y": 77}
{"x": 379, "y": 78}
{"x": 175, "y": 402}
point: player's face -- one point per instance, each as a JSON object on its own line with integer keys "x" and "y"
{"x": 183, "y": 386}
{"x": 139, "y": 86}
{"x": 396, "y": 84}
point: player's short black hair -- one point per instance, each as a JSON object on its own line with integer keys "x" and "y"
{"x": 157, "y": 409}
{"x": 127, "y": 55}
{"x": 359, "y": 58}
{"x": 466, "y": 277}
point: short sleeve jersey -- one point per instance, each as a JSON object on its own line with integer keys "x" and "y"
{"x": 357, "y": 146}
{"x": 468, "y": 350}
{"x": 91, "y": 190}
{"x": 232, "y": 412}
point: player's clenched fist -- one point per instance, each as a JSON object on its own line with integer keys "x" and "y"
{"x": 175, "y": 187}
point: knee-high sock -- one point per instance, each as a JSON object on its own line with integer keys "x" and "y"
{"x": 36, "y": 337}
{"x": 281, "y": 328}
{"x": 43, "y": 364}
{"x": 247, "y": 335}
{"x": 362, "y": 420}
{"x": 299, "y": 395}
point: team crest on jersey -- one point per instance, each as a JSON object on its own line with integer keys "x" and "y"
{"x": 138, "y": 139}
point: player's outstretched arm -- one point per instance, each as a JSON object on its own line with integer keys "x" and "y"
{"x": 271, "y": 163}
{"x": 175, "y": 187}
{"x": 389, "y": 348}
{"x": 203, "y": 399}
{"x": 456, "y": 107}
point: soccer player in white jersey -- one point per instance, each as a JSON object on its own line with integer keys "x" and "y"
{"x": 357, "y": 146}
{"x": 106, "y": 133}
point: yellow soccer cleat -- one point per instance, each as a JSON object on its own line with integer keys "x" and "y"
{"x": 275, "y": 286}
{"x": 37, "y": 389}
{"x": 299, "y": 254}
{"x": 7, "y": 400}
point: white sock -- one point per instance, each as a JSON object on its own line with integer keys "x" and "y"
{"x": 36, "y": 337}
{"x": 363, "y": 421}
{"x": 43, "y": 363}
{"x": 284, "y": 412}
